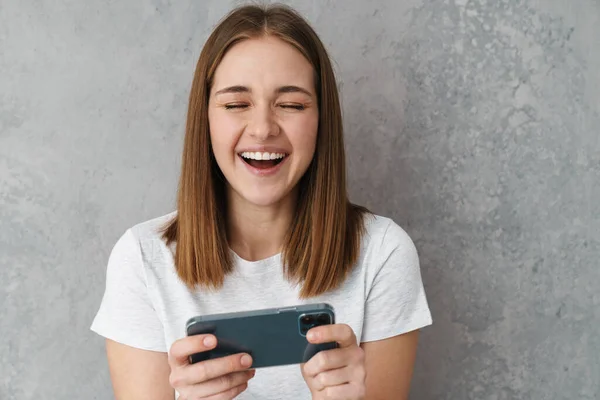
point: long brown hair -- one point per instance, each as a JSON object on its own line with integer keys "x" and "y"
{"x": 323, "y": 243}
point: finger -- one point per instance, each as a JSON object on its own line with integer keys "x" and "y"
{"x": 345, "y": 391}
{"x": 340, "y": 333}
{"x": 183, "y": 348}
{"x": 223, "y": 383}
{"x": 211, "y": 369}
{"x": 228, "y": 394}
{"x": 332, "y": 377}
{"x": 325, "y": 361}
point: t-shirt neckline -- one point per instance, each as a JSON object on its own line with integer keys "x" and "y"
{"x": 269, "y": 261}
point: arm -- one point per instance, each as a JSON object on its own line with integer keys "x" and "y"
{"x": 135, "y": 345}
{"x": 389, "y": 364}
{"x": 395, "y": 309}
{"x": 138, "y": 374}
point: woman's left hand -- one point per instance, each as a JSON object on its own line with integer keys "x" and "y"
{"x": 339, "y": 373}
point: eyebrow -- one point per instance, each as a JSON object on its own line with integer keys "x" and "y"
{"x": 293, "y": 89}
{"x": 233, "y": 89}
{"x": 280, "y": 90}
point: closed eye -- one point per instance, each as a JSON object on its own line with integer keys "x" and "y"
{"x": 235, "y": 106}
{"x": 298, "y": 107}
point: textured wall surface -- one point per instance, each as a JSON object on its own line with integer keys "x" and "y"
{"x": 474, "y": 123}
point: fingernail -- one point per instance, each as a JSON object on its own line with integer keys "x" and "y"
{"x": 210, "y": 341}
{"x": 311, "y": 335}
{"x": 246, "y": 360}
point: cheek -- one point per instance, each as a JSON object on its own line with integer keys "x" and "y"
{"x": 304, "y": 137}
{"x": 306, "y": 144}
{"x": 224, "y": 133}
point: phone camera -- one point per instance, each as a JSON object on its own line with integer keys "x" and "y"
{"x": 307, "y": 322}
{"x": 323, "y": 319}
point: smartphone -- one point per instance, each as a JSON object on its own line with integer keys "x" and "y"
{"x": 274, "y": 336}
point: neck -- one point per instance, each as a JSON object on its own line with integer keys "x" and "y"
{"x": 257, "y": 232}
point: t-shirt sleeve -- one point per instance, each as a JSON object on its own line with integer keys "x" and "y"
{"x": 396, "y": 302}
{"x": 126, "y": 313}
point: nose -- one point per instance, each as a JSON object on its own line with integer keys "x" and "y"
{"x": 262, "y": 124}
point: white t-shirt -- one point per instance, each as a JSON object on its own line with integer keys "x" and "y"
{"x": 146, "y": 306}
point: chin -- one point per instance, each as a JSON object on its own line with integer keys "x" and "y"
{"x": 261, "y": 195}
{"x": 262, "y": 200}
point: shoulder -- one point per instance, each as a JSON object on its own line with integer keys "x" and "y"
{"x": 141, "y": 248}
{"x": 387, "y": 249}
{"x": 140, "y": 238}
{"x": 395, "y": 301}
{"x": 383, "y": 235}
{"x": 152, "y": 229}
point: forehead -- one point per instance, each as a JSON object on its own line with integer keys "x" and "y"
{"x": 264, "y": 62}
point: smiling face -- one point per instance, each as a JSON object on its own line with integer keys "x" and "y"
{"x": 263, "y": 119}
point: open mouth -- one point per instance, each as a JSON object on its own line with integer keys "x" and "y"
{"x": 264, "y": 160}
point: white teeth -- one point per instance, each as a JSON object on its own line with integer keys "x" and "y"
{"x": 262, "y": 156}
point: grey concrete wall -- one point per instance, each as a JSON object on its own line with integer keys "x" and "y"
{"x": 474, "y": 123}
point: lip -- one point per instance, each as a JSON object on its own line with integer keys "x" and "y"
{"x": 264, "y": 172}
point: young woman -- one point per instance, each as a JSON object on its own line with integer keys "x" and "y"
{"x": 263, "y": 220}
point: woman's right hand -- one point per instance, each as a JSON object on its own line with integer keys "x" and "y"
{"x": 217, "y": 379}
